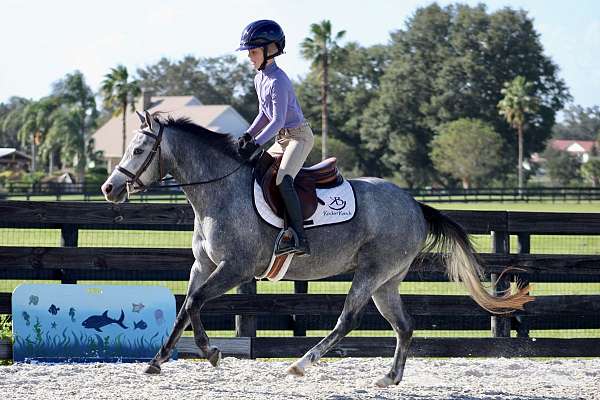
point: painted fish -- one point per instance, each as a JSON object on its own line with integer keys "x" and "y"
{"x": 137, "y": 307}
{"x": 72, "y": 314}
{"x": 98, "y": 321}
{"x": 159, "y": 316}
{"x": 53, "y": 309}
{"x": 26, "y": 318}
{"x": 140, "y": 325}
{"x": 33, "y": 299}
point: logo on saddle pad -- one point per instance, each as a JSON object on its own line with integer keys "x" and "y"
{"x": 335, "y": 205}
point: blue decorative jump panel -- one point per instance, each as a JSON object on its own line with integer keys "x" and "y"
{"x": 90, "y": 323}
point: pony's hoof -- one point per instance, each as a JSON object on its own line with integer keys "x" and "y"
{"x": 385, "y": 382}
{"x": 295, "y": 370}
{"x": 152, "y": 369}
{"x": 214, "y": 356}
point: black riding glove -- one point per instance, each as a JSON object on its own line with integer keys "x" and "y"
{"x": 242, "y": 140}
{"x": 247, "y": 146}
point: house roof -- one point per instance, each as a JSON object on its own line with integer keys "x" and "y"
{"x": 6, "y": 151}
{"x": 220, "y": 118}
{"x": 573, "y": 146}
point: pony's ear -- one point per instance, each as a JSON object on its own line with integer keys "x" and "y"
{"x": 149, "y": 120}
{"x": 141, "y": 117}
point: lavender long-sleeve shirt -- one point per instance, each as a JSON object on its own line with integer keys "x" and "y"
{"x": 277, "y": 104}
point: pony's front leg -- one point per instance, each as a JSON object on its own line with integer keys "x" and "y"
{"x": 225, "y": 277}
{"x": 198, "y": 275}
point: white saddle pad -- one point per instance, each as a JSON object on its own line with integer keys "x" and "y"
{"x": 340, "y": 206}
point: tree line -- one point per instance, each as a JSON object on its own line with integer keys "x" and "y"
{"x": 458, "y": 96}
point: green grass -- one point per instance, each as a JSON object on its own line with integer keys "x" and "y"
{"x": 540, "y": 244}
{"x": 97, "y": 238}
{"x": 99, "y": 198}
{"x": 5, "y": 327}
{"x": 5, "y": 333}
{"x": 541, "y": 206}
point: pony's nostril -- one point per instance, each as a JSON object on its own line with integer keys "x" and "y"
{"x": 108, "y": 188}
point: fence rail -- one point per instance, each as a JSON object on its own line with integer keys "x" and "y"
{"x": 504, "y": 195}
{"x": 247, "y": 312}
{"x": 91, "y": 192}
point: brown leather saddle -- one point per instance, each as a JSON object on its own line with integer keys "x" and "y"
{"x": 322, "y": 175}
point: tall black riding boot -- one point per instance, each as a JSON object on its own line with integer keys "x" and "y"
{"x": 294, "y": 212}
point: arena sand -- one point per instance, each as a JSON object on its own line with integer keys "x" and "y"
{"x": 350, "y": 378}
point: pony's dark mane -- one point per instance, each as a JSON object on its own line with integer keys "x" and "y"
{"x": 223, "y": 142}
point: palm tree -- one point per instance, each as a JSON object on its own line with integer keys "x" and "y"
{"x": 77, "y": 119}
{"x": 36, "y": 120}
{"x": 10, "y": 121}
{"x": 514, "y": 106}
{"x": 320, "y": 47}
{"x": 63, "y": 137}
{"x": 118, "y": 92}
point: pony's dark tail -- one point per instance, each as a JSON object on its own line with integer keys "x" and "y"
{"x": 453, "y": 244}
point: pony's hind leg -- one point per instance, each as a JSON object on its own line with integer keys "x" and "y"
{"x": 358, "y": 296}
{"x": 388, "y": 302}
{"x": 198, "y": 276}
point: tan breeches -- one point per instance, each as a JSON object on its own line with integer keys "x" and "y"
{"x": 295, "y": 145}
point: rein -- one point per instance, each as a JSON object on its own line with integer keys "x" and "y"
{"x": 135, "y": 178}
{"x": 200, "y": 182}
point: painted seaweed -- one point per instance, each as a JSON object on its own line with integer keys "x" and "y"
{"x": 70, "y": 346}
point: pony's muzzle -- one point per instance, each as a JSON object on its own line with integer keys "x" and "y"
{"x": 107, "y": 188}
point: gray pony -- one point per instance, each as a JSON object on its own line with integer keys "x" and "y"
{"x": 232, "y": 245}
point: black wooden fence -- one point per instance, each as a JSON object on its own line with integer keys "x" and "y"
{"x": 90, "y": 192}
{"x": 246, "y": 312}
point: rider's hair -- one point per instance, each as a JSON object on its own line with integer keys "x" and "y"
{"x": 272, "y": 48}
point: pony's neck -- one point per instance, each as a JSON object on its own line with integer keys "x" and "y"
{"x": 188, "y": 160}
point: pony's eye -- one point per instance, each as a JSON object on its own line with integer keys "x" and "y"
{"x": 137, "y": 151}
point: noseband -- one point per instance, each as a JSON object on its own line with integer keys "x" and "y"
{"x": 134, "y": 179}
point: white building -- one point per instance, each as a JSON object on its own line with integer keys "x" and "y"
{"x": 219, "y": 118}
{"x": 581, "y": 148}
{"x": 13, "y": 159}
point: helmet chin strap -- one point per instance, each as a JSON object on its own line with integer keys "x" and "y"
{"x": 264, "y": 63}
{"x": 267, "y": 57}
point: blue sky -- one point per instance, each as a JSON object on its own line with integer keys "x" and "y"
{"x": 44, "y": 40}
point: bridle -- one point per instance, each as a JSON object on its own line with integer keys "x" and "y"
{"x": 134, "y": 179}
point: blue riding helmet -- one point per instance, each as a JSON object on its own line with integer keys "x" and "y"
{"x": 261, "y": 33}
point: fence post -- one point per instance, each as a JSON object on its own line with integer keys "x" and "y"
{"x": 245, "y": 325}
{"x": 500, "y": 244}
{"x": 299, "y": 321}
{"x": 69, "y": 236}
{"x": 524, "y": 247}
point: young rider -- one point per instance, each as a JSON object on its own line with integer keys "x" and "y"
{"x": 280, "y": 116}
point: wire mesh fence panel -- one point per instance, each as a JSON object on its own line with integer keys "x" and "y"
{"x": 9, "y": 285}
{"x": 120, "y": 238}
{"x": 571, "y": 325}
{"x": 29, "y": 237}
{"x": 135, "y": 238}
{"x": 429, "y": 320}
{"x": 565, "y": 244}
